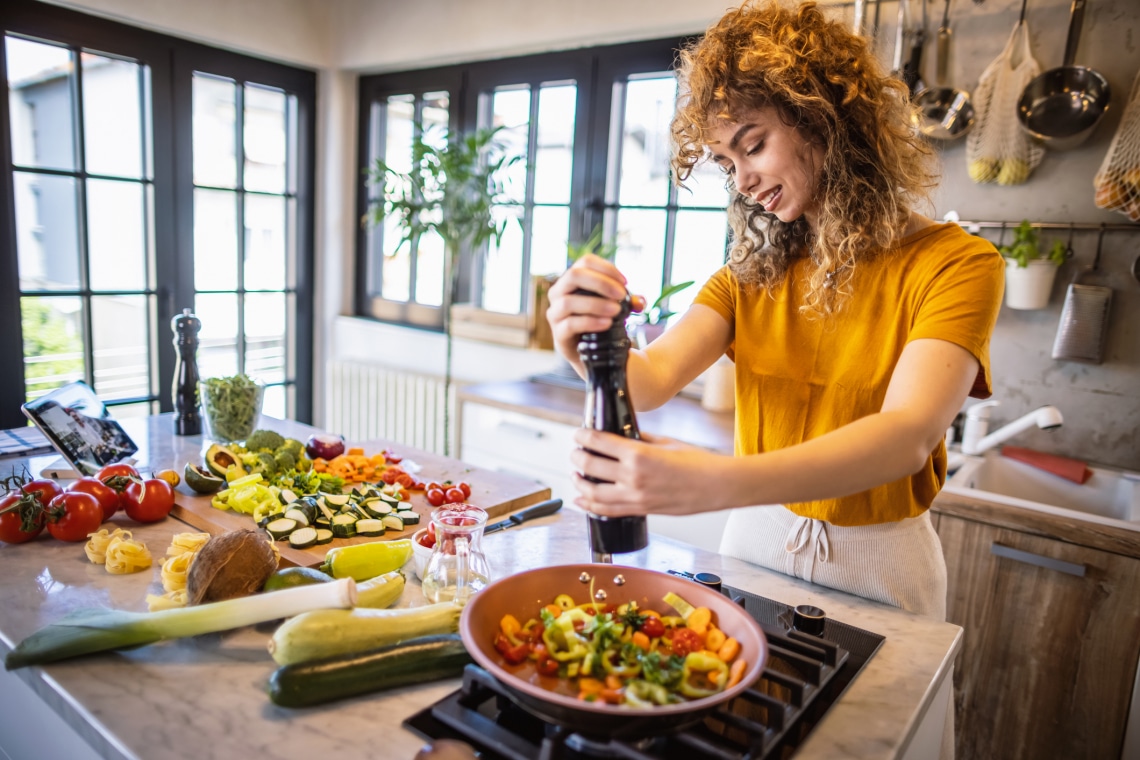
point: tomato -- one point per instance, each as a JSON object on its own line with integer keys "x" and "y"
{"x": 43, "y": 490}
{"x": 390, "y": 475}
{"x": 392, "y": 458}
{"x": 435, "y": 496}
{"x": 405, "y": 480}
{"x": 21, "y": 519}
{"x": 546, "y": 666}
{"x": 511, "y": 653}
{"x": 121, "y": 469}
{"x": 432, "y": 485}
{"x": 454, "y": 495}
{"x": 72, "y": 515}
{"x": 685, "y": 641}
{"x": 148, "y": 500}
{"x": 466, "y": 489}
{"x": 107, "y": 497}
{"x": 170, "y": 476}
{"x": 426, "y": 539}
{"x": 653, "y": 627}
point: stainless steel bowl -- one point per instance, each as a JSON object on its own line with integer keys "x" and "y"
{"x": 944, "y": 113}
{"x": 1061, "y": 107}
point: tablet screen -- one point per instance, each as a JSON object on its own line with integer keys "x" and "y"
{"x": 80, "y": 427}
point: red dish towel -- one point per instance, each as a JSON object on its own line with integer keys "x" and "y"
{"x": 1070, "y": 469}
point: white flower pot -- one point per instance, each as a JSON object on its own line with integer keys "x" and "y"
{"x": 1029, "y": 287}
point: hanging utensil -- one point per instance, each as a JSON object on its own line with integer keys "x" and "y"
{"x": 945, "y": 113}
{"x": 1084, "y": 317}
{"x": 912, "y": 69}
{"x": 1061, "y": 107}
{"x": 900, "y": 34}
{"x": 860, "y": 9}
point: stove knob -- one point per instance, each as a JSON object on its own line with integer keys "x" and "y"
{"x": 708, "y": 580}
{"x": 808, "y": 619}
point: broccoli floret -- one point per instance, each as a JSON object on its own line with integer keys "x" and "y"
{"x": 304, "y": 464}
{"x": 264, "y": 440}
{"x": 285, "y": 460}
{"x": 248, "y": 459}
{"x": 263, "y": 463}
{"x": 293, "y": 446}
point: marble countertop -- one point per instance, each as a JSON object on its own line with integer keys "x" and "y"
{"x": 205, "y": 697}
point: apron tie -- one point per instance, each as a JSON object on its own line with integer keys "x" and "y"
{"x": 811, "y": 534}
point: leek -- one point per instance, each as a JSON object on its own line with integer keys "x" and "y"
{"x": 98, "y": 630}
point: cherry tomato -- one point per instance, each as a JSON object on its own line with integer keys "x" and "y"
{"x": 390, "y": 475}
{"x": 686, "y": 640}
{"x": 117, "y": 470}
{"x": 21, "y": 519}
{"x": 148, "y": 500}
{"x": 433, "y": 484}
{"x": 426, "y": 539}
{"x": 466, "y": 489}
{"x": 546, "y": 666}
{"x": 392, "y": 458}
{"x": 511, "y": 653}
{"x": 653, "y": 627}
{"x": 72, "y": 515}
{"x": 107, "y": 497}
{"x": 405, "y": 480}
{"x": 454, "y": 495}
{"x": 435, "y": 496}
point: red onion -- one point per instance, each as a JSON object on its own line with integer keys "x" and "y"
{"x": 324, "y": 446}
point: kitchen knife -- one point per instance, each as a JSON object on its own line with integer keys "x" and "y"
{"x": 542, "y": 509}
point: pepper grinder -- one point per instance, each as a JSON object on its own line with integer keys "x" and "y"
{"x": 187, "y": 418}
{"x": 609, "y": 408}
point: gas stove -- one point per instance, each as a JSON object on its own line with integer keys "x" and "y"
{"x": 812, "y": 660}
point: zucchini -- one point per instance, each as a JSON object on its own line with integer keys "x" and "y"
{"x": 336, "y": 499}
{"x": 281, "y": 528}
{"x": 392, "y": 522}
{"x": 321, "y": 634}
{"x": 303, "y": 538}
{"x": 286, "y": 496}
{"x": 344, "y": 525}
{"x": 381, "y": 591}
{"x": 378, "y": 509}
{"x": 409, "y": 516}
{"x": 421, "y": 660}
{"x": 369, "y": 528}
{"x": 298, "y": 515}
{"x": 324, "y": 536}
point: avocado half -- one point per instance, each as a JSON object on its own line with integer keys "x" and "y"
{"x": 219, "y": 459}
{"x": 201, "y": 480}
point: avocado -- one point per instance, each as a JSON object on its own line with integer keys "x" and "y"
{"x": 290, "y": 577}
{"x": 219, "y": 459}
{"x": 201, "y": 480}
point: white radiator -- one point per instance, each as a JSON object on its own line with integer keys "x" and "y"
{"x": 367, "y": 401}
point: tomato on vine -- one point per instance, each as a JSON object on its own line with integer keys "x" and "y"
{"x": 72, "y": 515}
{"x": 107, "y": 497}
{"x": 21, "y": 518}
{"x": 148, "y": 500}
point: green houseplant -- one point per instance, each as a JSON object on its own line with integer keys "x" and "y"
{"x": 653, "y": 319}
{"x": 451, "y": 190}
{"x": 1029, "y": 271}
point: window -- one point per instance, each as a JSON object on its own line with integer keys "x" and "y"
{"x": 146, "y": 175}
{"x": 594, "y": 128}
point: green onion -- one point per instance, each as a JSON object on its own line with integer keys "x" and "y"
{"x": 96, "y": 630}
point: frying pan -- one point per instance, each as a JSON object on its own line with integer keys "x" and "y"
{"x": 524, "y": 593}
{"x": 945, "y": 113}
{"x": 1061, "y": 107}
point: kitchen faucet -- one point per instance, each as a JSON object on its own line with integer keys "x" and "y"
{"x": 974, "y": 438}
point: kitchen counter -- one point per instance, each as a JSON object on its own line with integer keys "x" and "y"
{"x": 204, "y": 697}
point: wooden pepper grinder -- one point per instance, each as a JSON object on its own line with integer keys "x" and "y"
{"x": 187, "y": 418}
{"x": 609, "y": 408}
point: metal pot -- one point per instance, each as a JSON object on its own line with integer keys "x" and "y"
{"x": 945, "y": 113}
{"x": 551, "y": 699}
{"x": 1061, "y": 107}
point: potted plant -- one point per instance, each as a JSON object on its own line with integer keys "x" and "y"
{"x": 451, "y": 189}
{"x": 654, "y": 318}
{"x": 1029, "y": 272}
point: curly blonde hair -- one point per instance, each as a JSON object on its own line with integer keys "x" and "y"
{"x": 824, "y": 82}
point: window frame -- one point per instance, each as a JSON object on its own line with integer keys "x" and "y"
{"x": 170, "y": 60}
{"x": 594, "y": 70}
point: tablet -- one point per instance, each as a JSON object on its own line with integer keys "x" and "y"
{"x": 80, "y": 428}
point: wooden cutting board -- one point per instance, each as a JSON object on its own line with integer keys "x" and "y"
{"x": 496, "y": 492}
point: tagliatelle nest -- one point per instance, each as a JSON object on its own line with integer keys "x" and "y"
{"x": 127, "y": 556}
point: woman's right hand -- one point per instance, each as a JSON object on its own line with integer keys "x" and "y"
{"x": 572, "y": 314}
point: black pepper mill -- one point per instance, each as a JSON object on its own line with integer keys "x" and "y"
{"x": 187, "y": 418}
{"x": 608, "y": 408}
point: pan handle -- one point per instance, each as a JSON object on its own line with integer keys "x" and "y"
{"x": 943, "y": 48}
{"x": 1076, "y": 21}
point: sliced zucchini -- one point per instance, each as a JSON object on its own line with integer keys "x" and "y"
{"x": 328, "y": 513}
{"x": 286, "y": 496}
{"x": 344, "y": 526}
{"x": 303, "y": 538}
{"x": 369, "y": 527}
{"x": 392, "y": 522}
{"x": 263, "y": 522}
{"x": 391, "y": 498}
{"x": 409, "y": 516}
{"x": 281, "y": 528}
{"x": 298, "y": 515}
{"x": 378, "y": 509}
{"x": 338, "y": 499}
{"x": 324, "y": 536}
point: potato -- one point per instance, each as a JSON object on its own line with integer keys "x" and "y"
{"x": 231, "y": 565}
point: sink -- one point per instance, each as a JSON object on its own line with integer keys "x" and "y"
{"x": 1108, "y": 496}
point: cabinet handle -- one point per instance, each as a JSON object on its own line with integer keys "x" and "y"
{"x": 1030, "y": 558}
{"x": 517, "y": 429}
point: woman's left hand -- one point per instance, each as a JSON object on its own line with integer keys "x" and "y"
{"x": 653, "y": 475}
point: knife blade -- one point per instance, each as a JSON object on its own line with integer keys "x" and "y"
{"x": 542, "y": 509}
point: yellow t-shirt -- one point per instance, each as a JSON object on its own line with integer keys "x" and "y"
{"x": 799, "y": 377}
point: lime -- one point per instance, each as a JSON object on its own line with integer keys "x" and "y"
{"x": 291, "y": 577}
{"x": 201, "y": 480}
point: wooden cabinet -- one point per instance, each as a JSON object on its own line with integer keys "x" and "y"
{"x": 1052, "y": 631}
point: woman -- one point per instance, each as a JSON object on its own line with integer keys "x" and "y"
{"x": 857, "y": 326}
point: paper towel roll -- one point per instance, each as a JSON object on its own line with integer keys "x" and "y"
{"x": 720, "y": 387}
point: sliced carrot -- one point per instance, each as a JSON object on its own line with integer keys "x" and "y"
{"x": 354, "y": 452}
{"x": 590, "y": 685}
{"x": 554, "y": 609}
{"x": 729, "y": 649}
{"x": 613, "y": 682}
{"x": 699, "y": 620}
{"x": 715, "y": 638}
{"x": 611, "y": 696}
{"x": 641, "y": 640}
{"x": 735, "y": 673}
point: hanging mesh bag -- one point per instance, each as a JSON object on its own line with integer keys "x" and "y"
{"x": 1117, "y": 183}
{"x": 997, "y": 149}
